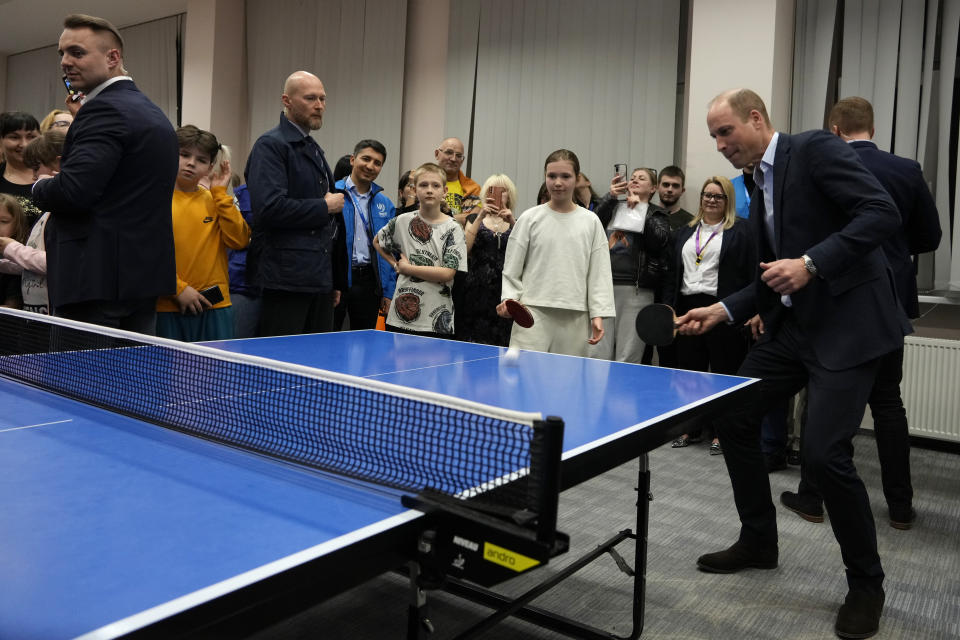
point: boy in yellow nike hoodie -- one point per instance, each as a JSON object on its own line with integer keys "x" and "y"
{"x": 205, "y": 224}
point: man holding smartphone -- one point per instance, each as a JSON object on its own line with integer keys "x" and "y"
{"x": 74, "y": 97}
{"x": 109, "y": 239}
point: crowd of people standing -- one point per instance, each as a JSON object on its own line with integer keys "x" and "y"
{"x": 292, "y": 247}
{"x": 109, "y": 215}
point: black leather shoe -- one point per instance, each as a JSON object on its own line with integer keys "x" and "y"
{"x": 859, "y": 617}
{"x": 736, "y": 558}
{"x": 902, "y": 517}
{"x": 774, "y": 462}
{"x": 809, "y": 510}
{"x": 793, "y": 457}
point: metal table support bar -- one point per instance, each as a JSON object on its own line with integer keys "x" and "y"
{"x": 521, "y": 608}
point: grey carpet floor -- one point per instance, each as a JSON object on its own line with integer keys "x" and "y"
{"x": 692, "y": 513}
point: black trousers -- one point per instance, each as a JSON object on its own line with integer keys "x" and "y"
{"x": 284, "y": 313}
{"x": 835, "y": 403}
{"x": 666, "y": 356}
{"x": 720, "y": 350}
{"x": 892, "y": 434}
{"x": 131, "y": 315}
{"x": 361, "y": 301}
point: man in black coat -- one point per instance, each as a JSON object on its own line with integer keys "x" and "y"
{"x": 852, "y": 120}
{"x": 825, "y": 293}
{"x": 296, "y": 217}
{"x": 109, "y": 240}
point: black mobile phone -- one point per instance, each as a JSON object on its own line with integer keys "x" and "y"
{"x": 213, "y": 295}
{"x": 73, "y": 93}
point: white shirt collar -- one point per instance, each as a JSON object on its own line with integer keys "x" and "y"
{"x": 350, "y": 184}
{"x": 766, "y": 162}
{"x": 103, "y": 85}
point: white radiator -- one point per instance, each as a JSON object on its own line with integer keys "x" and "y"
{"x": 931, "y": 387}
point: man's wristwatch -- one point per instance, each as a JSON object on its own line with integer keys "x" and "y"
{"x": 808, "y": 264}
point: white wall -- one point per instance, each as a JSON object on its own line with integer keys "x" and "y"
{"x": 424, "y": 81}
{"x": 229, "y": 112}
{"x": 214, "y": 73}
{"x": 3, "y": 81}
{"x": 198, "y": 69}
{"x": 734, "y": 43}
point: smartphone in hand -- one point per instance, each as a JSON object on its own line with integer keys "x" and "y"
{"x": 213, "y": 295}
{"x": 73, "y": 93}
{"x": 496, "y": 193}
{"x": 620, "y": 169}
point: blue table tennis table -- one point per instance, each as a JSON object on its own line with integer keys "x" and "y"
{"x": 112, "y": 526}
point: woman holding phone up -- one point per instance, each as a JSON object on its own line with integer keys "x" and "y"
{"x": 487, "y": 234}
{"x": 638, "y": 234}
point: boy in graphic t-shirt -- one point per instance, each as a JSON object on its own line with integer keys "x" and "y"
{"x": 431, "y": 249}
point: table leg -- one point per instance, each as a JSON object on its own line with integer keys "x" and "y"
{"x": 521, "y": 608}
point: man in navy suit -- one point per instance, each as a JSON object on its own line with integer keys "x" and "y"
{"x": 852, "y": 120}
{"x": 296, "y": 218}
{"x": 109, "y": 239}
{"x": 825, "y": 293}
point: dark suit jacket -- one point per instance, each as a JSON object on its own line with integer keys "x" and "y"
{"x": 920, "y": 223}
{"x": 738, "y": 261}
{"x": 829, "y": 206}
{"x": 293, "y": 233}
{"x": 110, "y": 233}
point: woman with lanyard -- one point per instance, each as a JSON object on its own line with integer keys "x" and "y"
{"x": 713, "y": 257}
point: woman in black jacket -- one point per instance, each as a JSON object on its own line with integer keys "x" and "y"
{"x": 639, "y": 235}
{"x": 713, "y": 257}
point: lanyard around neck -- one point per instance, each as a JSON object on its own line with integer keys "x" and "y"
{"x": 367, "y": 229}
{"x": 700, "y": 249}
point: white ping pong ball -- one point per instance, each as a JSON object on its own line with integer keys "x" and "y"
{"x": 510, "y": 357}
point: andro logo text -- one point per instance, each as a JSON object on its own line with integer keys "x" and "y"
{"x": 506, "y": 558}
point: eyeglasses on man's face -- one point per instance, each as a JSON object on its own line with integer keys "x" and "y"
{"x": 713, "y": 197}
{"x": 451, "y": 153}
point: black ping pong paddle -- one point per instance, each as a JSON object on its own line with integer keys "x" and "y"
{"x": 520, "y": 314}
{"x": 657, "y": 324}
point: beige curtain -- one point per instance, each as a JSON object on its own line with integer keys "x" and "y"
{"x": 599, "y": 78}
{"x": 356, "y": 47}
{"x": 888, "y": 53}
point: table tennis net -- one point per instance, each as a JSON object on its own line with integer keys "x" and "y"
{"x": 354, "y": 427}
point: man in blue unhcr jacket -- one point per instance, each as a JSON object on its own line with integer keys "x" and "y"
{"x": 370, "y": 280}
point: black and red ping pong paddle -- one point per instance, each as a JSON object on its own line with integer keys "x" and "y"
{"x": 657, "y": 324}
{"x": 520, "y": 314}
